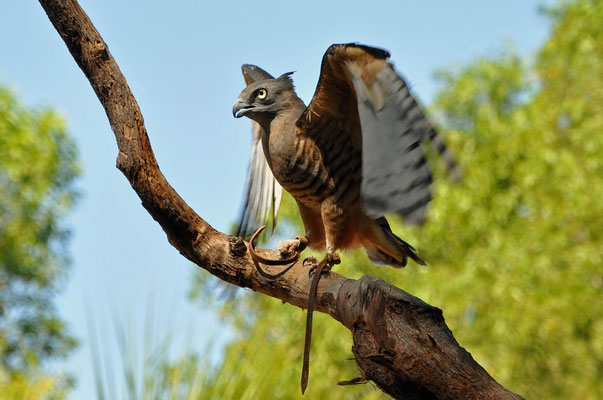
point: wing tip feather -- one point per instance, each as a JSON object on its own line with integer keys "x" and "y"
{"x": 376, "y": 52}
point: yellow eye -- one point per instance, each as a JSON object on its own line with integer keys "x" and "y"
{"x": 262, "y": 94}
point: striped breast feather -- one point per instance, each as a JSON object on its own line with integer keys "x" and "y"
{"x": 395, "y": 173}
{"x": 262, "y": 193}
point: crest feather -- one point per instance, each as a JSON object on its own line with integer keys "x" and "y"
{"x": 286, "y": 77}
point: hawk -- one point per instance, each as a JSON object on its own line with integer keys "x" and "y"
{"x": 348, "y": 158}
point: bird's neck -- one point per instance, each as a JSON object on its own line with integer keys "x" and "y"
{"x": 280, "y": 134}
{"x": 285, "y": 121}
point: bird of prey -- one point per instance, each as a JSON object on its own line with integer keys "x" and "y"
{"x": 351, "y": 156}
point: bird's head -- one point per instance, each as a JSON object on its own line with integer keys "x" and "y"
{"x": 263, "y": 100}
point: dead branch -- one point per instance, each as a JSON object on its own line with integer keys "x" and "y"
{"x": 400, "y": 342}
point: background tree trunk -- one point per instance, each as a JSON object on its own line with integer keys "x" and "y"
{"x": 400, "y": 342}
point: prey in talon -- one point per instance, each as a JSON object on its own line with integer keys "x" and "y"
{"x": 288, "y": 247}
{"x": 352, "y": 155}
{"x": 315, "y": 272}
{"x": 284, "y": 260}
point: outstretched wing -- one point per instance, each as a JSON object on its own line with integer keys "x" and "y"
{"x": 360, "y": 93}
{"x": 262, "y": 192}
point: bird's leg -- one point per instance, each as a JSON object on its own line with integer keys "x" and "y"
{"x": 331, "y": 258}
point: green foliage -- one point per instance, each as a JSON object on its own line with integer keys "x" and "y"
{"x": 265, "y": 360}
{"x": 515, "y": 250}
{"x": 16, "y": 386}
{"x": 37, "y": 169}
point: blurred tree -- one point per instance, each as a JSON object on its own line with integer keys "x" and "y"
{"x": 38, "y": 166}
{"x": 17, "y": 386}
{"x": 515, "y": 249}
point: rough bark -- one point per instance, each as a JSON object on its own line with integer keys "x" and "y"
{"x": 400, "y": 342}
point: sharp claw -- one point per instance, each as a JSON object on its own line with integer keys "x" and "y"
{"x": 310, "y": 259}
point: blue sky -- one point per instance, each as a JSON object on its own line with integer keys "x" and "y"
{"x": 182, "y": 60}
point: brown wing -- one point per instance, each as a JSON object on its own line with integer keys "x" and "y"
{"x": 368, "y": 107}
{"x": 262, "y": 193}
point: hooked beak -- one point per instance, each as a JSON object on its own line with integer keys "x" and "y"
{"x": 240, "y": 109}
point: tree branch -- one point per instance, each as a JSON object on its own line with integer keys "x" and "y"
{"x": 400, "y": 342}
